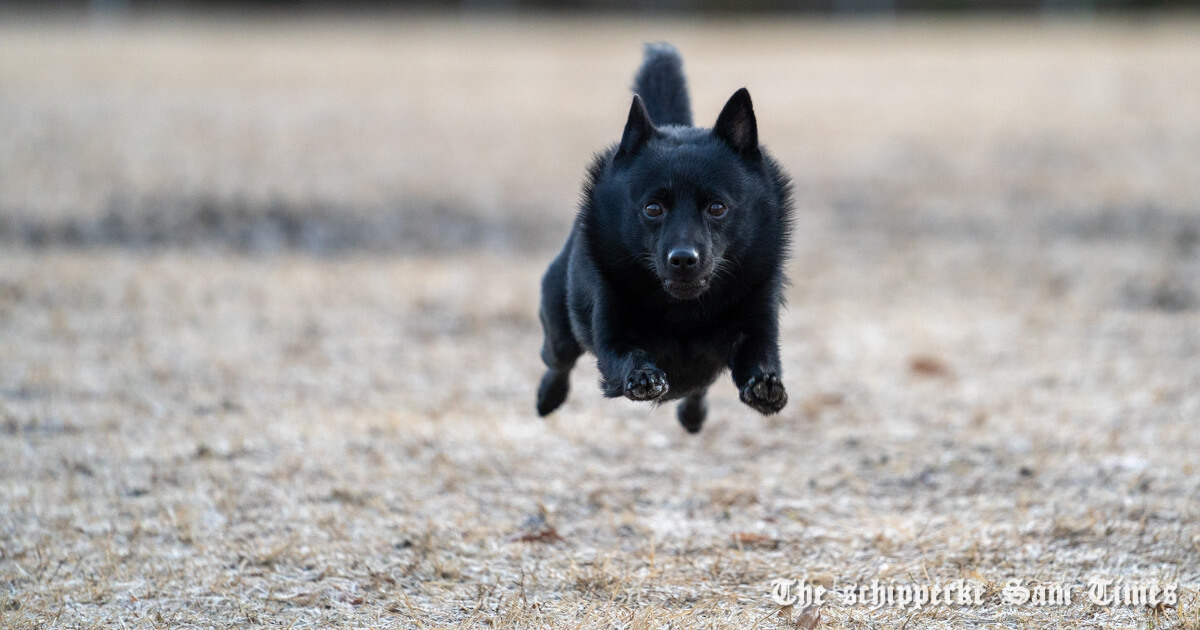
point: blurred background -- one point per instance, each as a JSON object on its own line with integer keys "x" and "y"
{"x": 727, "y": 6}
{"x": 338, "y": 126}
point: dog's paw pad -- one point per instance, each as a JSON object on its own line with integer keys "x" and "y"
{"x": 648, "y": 383}
{"x": 765, "y": 394}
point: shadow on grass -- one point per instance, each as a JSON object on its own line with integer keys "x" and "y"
{"x": 311, "y": 228}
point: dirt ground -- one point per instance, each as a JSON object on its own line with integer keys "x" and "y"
{"x": 268, "y": 344}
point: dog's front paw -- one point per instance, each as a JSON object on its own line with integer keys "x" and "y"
{"x": 646, "y": 383}
{"x": 765, "y": 394}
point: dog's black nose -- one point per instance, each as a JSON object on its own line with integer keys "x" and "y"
{"x": 683, "y": 258}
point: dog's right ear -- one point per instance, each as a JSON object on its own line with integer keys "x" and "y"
{"x": 737, "y": 125}
{"x": 638, "y": 130}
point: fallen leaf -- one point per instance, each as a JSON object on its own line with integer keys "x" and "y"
{"x": 926, "y": 365}
{"x": 752, "y": 539}
{"x": 537, "y": 528}
{"x": 544, "y": 535}
{"x": 808, "y": 618}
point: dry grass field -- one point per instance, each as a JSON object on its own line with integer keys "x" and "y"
{"x": 268, "y": 344}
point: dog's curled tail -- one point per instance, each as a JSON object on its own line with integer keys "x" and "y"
{"x": 662, "y": 87}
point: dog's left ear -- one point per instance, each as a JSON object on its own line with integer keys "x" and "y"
{"x": 737, "y": 126}
{"x": 638, "y": 129}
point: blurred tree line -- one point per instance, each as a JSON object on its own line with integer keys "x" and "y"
{"x": 715, "y": 6}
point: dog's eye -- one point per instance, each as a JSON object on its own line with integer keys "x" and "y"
{"x": 653, "y": 210}
{"x": 717, "y": 209}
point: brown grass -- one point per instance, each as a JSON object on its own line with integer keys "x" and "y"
{"x": 209, "y": 419}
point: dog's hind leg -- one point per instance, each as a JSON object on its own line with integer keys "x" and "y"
{"x": 552, "y": 392}
{"x": 560, "y": 349}
{"x": 559, "y": 352}
{"x": 692, "y": 411}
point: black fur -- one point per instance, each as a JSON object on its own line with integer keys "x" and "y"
{"x": 673, "y": 271}
{"x": 662, "y": 87}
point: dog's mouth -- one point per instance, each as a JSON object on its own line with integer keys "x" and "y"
{"x": 686, "y": 290}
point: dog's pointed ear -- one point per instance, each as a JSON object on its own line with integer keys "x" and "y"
{"x": 737, "y": 126}
{"x": 638, "y": 129}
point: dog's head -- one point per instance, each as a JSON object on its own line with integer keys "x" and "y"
{"x": 689, "y": 201}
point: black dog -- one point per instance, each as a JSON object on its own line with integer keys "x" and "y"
{"x": 674, "y": 268}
